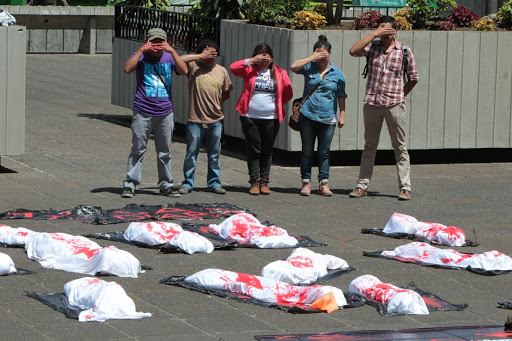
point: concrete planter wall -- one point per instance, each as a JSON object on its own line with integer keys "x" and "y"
{"x": 12, "y": 90}
{"x": 69, "y": 29}
{"x": 463, "y": 99}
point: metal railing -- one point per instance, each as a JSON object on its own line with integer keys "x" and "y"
{"x": 184, "y": 30}
{"x": 351, "y": 11}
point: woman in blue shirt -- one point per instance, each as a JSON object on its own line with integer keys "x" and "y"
{"x": 325, "y": 85}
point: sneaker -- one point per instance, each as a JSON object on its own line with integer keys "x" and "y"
{"x": 306, "y": 187}
{"x": 184, "y": 190}
{"x": 358, "y": 192}
{"x": 323, "y": 187}
{"x": 170, "y": 192}
{"x": 255, "y": 187}
{"x": 219, "y": 190}
{"x": 404, "y": 195}
{"x": 127, "y": 193}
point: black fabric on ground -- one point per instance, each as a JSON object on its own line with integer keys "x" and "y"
{"x": 505, "y": 305}
{"x": 380, "y": 232}
{"x": 352, "y": 300}
{"x": 205, "y": 231}
{"x": 57, "y": 301}
{"x": 131, "y": 212}
{"x": 420, "y": 334}
{"x": 378, "y": 254}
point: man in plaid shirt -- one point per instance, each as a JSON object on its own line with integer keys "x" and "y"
{"x": 385, "y": 100}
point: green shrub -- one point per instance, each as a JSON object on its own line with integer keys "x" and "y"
{"x": 504, "y": 15}
{"x": 304, "y": 20}
{"x": 320, "y": 9}
{"x": 484, "y": 24}
{"x": 403, "y": 19}
{"x": 158, "y": 4}
{"x": 222, "y": 9}
{"x": 425, "y": 10}
{"x": 273, "y": 12}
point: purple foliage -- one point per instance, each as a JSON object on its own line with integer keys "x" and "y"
{"x": 462, "y": 16}
{"x": 368, "y": 20}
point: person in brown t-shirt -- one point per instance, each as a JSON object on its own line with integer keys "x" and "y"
{"x": 209, "y": 86}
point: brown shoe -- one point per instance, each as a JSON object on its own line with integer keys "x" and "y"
{"x": 264, "y": 186}
{"x": 404, "y": 195}
{"x": 358, "y": 192}
{"x": 255, "y": 186}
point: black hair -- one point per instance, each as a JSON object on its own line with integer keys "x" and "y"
{"x": 387, "y": 19}
{"x": 203, "y": 44}
{"x": 263, "y": 48}
{"x": 322, "y": 42}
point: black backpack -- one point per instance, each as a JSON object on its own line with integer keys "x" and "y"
{"x": 405, "y": 59}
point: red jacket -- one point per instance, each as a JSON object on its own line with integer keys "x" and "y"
{"x": 249, "y": 74}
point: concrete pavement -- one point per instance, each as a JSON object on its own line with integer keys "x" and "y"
{"x": 77, "y": 145}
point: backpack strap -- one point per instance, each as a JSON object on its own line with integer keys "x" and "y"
{"x": 374, "y": 45}
{"x": 405, "y": 61}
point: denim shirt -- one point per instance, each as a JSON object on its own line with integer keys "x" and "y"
{"x": 322, "y": 104}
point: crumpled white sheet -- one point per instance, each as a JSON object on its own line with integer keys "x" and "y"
{"x": 156, "y": 233}
{"x": 303, "y": 266}
{"x": 430, "y": 255}
{"x": 263, "y": 289}
{"x": 245, "y": 228}
{"x": 78, "y": 254}
{"x": 6, "y": 18}
{"x": 101, "y": 300}
{"x": 399, "y": 301}
{"x": 6, "y": 265}
{"x": 432, "y": 232}
{"x": 15, "y": 236}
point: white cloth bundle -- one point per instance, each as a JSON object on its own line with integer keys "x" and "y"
{"x": 430, "y": 255}
{"x": 6, "y": 18}
{"x": 432, "y": 232}
{"x": 101, "y": 300}
{"x": 6, "y": 265}
{"x": 245, "y": 228}
{"x": 78, "y": 254}
{"x": 263, "y": 289}
{"x": 303, "y": 266}
{"x": 156, "y": 233}
{"x": 397, "y": 300}
{"x": 15, "y": 236}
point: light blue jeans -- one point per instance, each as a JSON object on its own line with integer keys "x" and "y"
{"x": 142, "y": 127}
{"x": 310, "y": 131}
{"x": 194, "y": 134}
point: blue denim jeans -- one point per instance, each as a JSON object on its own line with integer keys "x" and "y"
{"x": 142, "y": 126}
{"x": 194, "y": 134}
{"x": 310, "y": 131}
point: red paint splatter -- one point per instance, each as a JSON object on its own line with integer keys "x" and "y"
{"x": 382, "y": 292}
{"x": 432, "y": 302}
{"x": 301, "y": 262}
{"x": 250, "y": 280}
{"x": 21, "y": 233}
{"x": 497, "y": 334}
{"x": 77, "y": 246}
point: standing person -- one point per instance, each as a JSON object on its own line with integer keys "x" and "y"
{"x": 324, "y": 92}
{"x": 209, "y": 86}
{"x": 385, "y": 100}
{"x": 266, "y": 90}
{"x": 152, "y": 109}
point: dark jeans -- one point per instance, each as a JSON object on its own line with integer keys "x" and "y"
{"x": 310, "y": 131}
{"x": 259, "y": 138}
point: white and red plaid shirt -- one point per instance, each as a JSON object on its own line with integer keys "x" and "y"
{"x": 385, "y": 85}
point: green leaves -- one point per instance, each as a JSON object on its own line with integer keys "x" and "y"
{"x": 425, "y": 10}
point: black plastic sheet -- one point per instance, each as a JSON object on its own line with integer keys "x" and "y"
{"x": 380, "y": 232}
{"x": 465, "y": 333}
{"x": 352, "y": 300}
{"x": 130, "y": 213}
{"x": 505, "y": 305}
{"x": 484, "y": 272}
{"x": 205, "y": 231}
{"x": 57, "y": 301}
{"x": 118, "y": 236}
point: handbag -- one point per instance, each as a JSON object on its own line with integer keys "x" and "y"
{"x": 296, "y": 104}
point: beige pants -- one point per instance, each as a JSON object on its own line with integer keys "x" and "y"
{"x": 395, "y": 120}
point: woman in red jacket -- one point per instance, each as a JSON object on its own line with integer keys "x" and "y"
{"x": 266, "y": 90}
